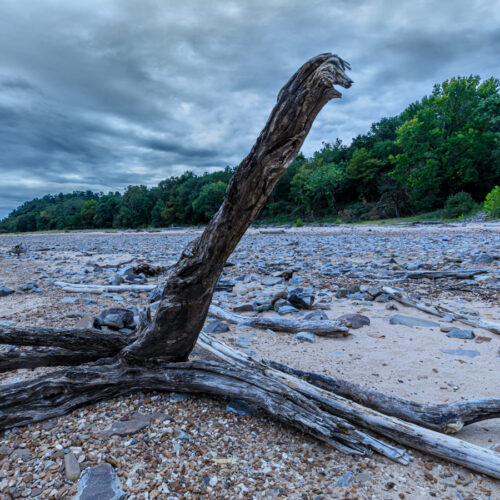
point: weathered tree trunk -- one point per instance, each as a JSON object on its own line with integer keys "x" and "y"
{"x": 191, "y": 282}
{"x": 331, "y": 410}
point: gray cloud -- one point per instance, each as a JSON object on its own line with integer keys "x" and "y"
{"x": 102, "y": 94}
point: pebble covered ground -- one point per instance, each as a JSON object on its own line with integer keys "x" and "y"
{"x": 191, "y": 447}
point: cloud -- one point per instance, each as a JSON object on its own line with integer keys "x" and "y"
{"x": 102, "y": 94}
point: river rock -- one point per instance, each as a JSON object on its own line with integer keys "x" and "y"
{"x": 100, "y": 483}
{"x": 460, "y": 334}
{"x": 4, "y": 291}
{"x": 216, "y": 327}
{"x": 400, "y": 319}
{"x": 355, "y": 320}
{"x": 305, "y": 337}
{"x": 71, "y": 467}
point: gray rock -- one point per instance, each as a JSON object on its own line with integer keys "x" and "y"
{"x": 216, "y": 327}
{"x": 280, "y": 303}
{"x": 271, "y": 280}
{"x": 240, "y": 407}
{"x": 363, "y": 477}
{"x": 116, "y": 318}
{"x": 21, "y": 454}
{"x": 132, "y": 425}
{"x": 244, "y": 341}
{"x": 100, "y": 483}
{"x": 470, "y": 353}
{"x": 483, "y": 258}
{"x": 28, "y": 287}
{"x": 345, "y": 480}
{"x": 355, "y": 320}
{"x": 4, "y": 291}
{"x": 262, "y": 305}
{"x": 87, "y": 301}
{"x": 287, "y": 310}
{"x": 305, "y": 337}
{"x": 400, "y": 319}
{"x": 456, "y": 333}
{"x": 155, "y": 295}
{"x": 446, "y": 328}
{"x": 391, "y": 307}
{"x": 71, "y": 467}
{"x": 70, "y": 300}
{"x": 243, "y": 307}
{"x": 341, "y": 293}
{"x": 374, "y": 291}
{"x": 117, "y": 280}
{"x": 316, "y": 315}
{"x": 382, "y": 298}
{"x": 301, "y": 298}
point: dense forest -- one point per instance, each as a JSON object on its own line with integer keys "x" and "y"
{"x": 442, "y": 151}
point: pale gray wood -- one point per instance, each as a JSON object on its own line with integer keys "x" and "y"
{"x": 319, "y": 327}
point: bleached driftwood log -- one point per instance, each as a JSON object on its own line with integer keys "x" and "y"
{"x": 319, "y": 327}
{"x": 440, "y": 310}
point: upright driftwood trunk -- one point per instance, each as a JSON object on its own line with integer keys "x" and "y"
{"x": 337, "y": 412}
{"x": 191, "y": 282}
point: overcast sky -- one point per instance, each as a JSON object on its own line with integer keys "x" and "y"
{"x": 101, "y": 94}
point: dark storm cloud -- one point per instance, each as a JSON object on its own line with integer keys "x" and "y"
{"x": 102, "y": 94}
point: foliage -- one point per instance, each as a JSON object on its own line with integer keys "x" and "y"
{"x": 459, "y": 204}
{"x": 298, "y": 222}
{"x": 492, "y": 203}
{"x": 446, "y": 144}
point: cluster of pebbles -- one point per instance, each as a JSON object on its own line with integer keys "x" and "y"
{"x": 179, "y": 446}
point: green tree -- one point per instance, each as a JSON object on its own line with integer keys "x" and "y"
{"x": 364, "y": 170}
{"x": 209, "y": 200}
{"x": 451, "y": 144}
{"x": 88, "y": 213}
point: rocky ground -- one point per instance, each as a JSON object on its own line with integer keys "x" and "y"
{"x": 179, "y": 446}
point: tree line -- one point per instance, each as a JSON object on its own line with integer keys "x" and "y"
{"x": 445, "y": 145}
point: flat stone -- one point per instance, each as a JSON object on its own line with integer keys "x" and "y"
{"x": 287, "y": 310}
{"x": 4, "y": 291}
{"x": 400, "y": 319}
{"x": 100, "y": 483}
{"x": 271, "y": 280}
{"x": 85, "y": 322}
{"x": 484, "y": 258}
{"x": 216, "y": 327}
{"x": 70, "y": 300}
{"x": 305, "y": 337}
{"x": 446, "y": 328}
{"x": 244, "y": 307}
{"x": 135, "y": 423}
{"x": 240, "y": 407}
{"x": 355, "y": 320}
{"x": 71, "y": 467}
{"x": 316, "y": 315}
{"x": 301, "y": 299}
{"x": 470, "y": 353}
{"x": 363, "y": 477}
{"x": 345, "y": 480}
{"x": 460, "y": 334}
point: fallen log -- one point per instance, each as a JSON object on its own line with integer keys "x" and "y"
{"x": 89, "y": 339}
{"x": 319, "y": 327}
{"x": 447, "y": 418}
{"x": 440, "y": 310}
{"x": 88, "y": 288}
{"x": 35, "y": 358}
{"x": 459, "y": 274}
{"x": 441, "y": 445}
